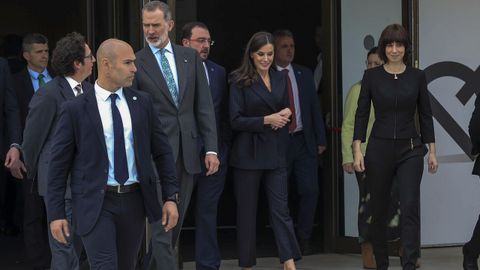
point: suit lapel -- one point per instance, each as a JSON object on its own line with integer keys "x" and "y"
{"x": 152, "y": 69}
{"x": 300, "y": 85}
{"x": 86, "y": 87}
{"x": 95, "y": 120}
{"x": 27, "y": 81}
{"x": 211, "y": 79}
{"x": 65, "y": 88}
{"x": 132, "y": 102}
{"x": 260, "y": 89}
{"x": 181, "y": 61}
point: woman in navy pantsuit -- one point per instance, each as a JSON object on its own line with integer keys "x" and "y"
{"x": 259, "y": 116}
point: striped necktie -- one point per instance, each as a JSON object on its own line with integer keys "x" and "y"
{"x": 41, "y": 81}
{"x": 78, "y": 90}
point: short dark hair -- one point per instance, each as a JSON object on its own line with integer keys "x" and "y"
{"x": 154, "y": 5}
{"x": 373, "y": 50}
{"x": 394, "y": 33}
{"x": 31, "y": 39}
{"x": 282, "y": 33}
{"x": 69, "y": 49}
{"x": 187, "y": 29}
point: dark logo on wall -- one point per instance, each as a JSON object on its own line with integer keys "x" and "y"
{"x": 468, "y": 90}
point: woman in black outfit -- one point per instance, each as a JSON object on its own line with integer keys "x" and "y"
{"x": 259, "y": 114}
{"x": 395, "y": 149}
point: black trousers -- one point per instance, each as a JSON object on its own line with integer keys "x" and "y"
{"x": 472, "y": 247}
{"x": 403, "y": 159}
{"x": 35, "y": 227}
{"x": 247, "y": 185}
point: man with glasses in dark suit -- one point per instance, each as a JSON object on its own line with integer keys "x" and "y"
{"x": 72, "y": 60}
{"x": 195, "y": 35}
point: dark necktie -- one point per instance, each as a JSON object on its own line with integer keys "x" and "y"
{"x": 41, "y": 81}
{"x": 119, "y": 155}
{"x": 78, "y": 90}
{"x": 293, "y": 123}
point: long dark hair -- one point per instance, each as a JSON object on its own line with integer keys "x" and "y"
{"x": 246, "y": 74}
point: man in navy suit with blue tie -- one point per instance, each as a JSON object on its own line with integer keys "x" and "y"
{"x": 307, "y": 135}
{"x": 209, "y": 188}
{"x": 106, "y": 139}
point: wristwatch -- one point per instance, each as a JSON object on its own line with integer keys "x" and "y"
{"x": 16, "y": 145}
{"x": 173, "y": 198}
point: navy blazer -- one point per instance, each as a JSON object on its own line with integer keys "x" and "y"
{"x": 218, "y": 89}
{"x": 79, "y": 147}
{"x": 312, "y": 119}
{"x": 256, "y": 145}
{"x": 43, "y": 114}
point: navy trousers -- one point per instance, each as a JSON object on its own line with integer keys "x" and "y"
{"x": 209, "y": 190}
{"x": 247, "y": 185}
{"x": 303, "y": 171}
{"x": 114, "y": 241}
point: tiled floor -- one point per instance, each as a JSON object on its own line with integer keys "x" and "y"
{"x": 432, "y": 259}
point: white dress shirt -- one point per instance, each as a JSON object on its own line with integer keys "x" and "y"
{"x": 72, "y": 82}
{"x": 105, "y": 110}
{"x": 34, "y": 78}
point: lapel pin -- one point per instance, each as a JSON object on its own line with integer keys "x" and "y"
{"x": 134, "y": 98}
{"x": 185, "y": 60}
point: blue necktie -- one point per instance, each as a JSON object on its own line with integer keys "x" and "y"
{"x": 119, "y": 155}
{"x": 168, "y": 75}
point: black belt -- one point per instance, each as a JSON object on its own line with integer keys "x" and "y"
{"x": 123, "y": 189}
{"x": 297, "y": 133}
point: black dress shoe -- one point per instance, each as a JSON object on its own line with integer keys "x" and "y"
{"x": 469, "y": 261}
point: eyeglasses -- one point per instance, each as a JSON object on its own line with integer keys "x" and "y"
{"x": 90, "y": 56}
{"x": 203, "y": 40}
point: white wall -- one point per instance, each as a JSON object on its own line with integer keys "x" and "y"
{"x": 449, "y": 31}
{"x": 359, "y": 19}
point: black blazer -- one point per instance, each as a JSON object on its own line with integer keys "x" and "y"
{"x": 79, "y": 147}
{"x": 255, "y": 145}
{"x": 395, "y": 102}
{"x": 474, "y": 131}
{"x": 24, "y": 89}
{"x": 10, "y": 129}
